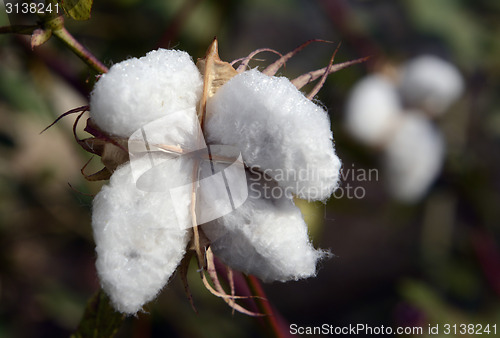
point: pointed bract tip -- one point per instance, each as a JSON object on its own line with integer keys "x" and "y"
{"x": 213, "y": 49}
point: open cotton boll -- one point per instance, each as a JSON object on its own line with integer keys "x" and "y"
{"x": 276, "y": 128}
{"x": 140, "y": 238}
{"x": 373, "y": 107}
{"x": 413, "y": 157}
{"x": 137, "y": 91}
{"x": 430, "y": 83}
{"x": 266, "y": 236}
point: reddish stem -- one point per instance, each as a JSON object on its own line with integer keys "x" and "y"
{"x": 273, "y": 319}
{"x": 257, "y": 302}
{"x": 77, "y": 48}
{"x": 488, "y": 254}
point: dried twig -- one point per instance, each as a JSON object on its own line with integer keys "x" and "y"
{"x": 244, "y": 61}
{"x": 81, "y": 109}
{"x": 274, "y": 67}
{"x": 311, "y": 76}
{"x": 321, "y": 82}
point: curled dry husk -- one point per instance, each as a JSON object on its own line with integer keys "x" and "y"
{"x": 113, "y": 151}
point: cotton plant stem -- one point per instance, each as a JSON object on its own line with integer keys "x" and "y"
{"x": 18, "y": 29}
{"x": 264, "y": 307}
{"x": 58, "y": 30}
{"x": 77, "y": 48}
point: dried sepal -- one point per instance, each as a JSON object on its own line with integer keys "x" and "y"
{"x": 199, "y": 246}
{"x": 92, "y": 145}
{"x": 244, "y": 61}
{"x": 215, "y": 74}
{"x": 321, "y": 82}
{"x": 114, "y": 155}
{"x": 209, "y": 256}
{"x": 104, "y": 137}
{"x": 81, "y": 109}
{"x": 230, "y": 279}
{"x": 101, "y": 175}
{"x": 183, "y": 270}
{"x": 112, "y": 150}
{"x": 311, "y": 76}
{"x": 273, "y": 68}
{"x": 219, "y": 290}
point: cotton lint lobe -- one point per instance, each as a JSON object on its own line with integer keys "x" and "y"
{"x": 266, "y": 236}
{"x": 277, "y": 128}
{"x": 140, "y": 238}
{"x": 137, "y": 91}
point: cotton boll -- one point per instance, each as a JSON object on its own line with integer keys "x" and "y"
{"x": 276, "y": 128}
{"x": 137, "y": 91}
{"x": 139, "y": 239}
{"x": 430, "y": 83}
{"x": 266, "y": 236}
{"x": 413, "y": 157}
{"x": 373, "y": 107}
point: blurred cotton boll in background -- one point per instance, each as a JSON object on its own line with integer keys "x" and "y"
{"x": 413, "y": 157}
{"x": 372, "y": 109}
{"x": 395, "y": 116}
{"x": 430, "y": 83}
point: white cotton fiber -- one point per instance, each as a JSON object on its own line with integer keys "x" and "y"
{"x": 430, "y": 83}
{"x": 162, "y": 140}
{"x": 276, "y": 128}
{"x": 137, "y": 91}
{"x": 266, "y": 236}
{"x": 373, "y": 108}
{"x": 413, "y": 157}
{"x": 140, "y": 238}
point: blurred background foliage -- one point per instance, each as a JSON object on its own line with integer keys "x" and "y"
{"x": 435, "y": 261}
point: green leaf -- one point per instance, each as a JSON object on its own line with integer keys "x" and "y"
{"x": 100, "y": 319}
{"x": 77, "y": 9}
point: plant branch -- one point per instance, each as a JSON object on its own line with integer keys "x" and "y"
{"x": 264, "y": 307}
{"x": 56, "y": 25}
{"x": 18, "y": 29}
{"x": 77, "y": 48}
